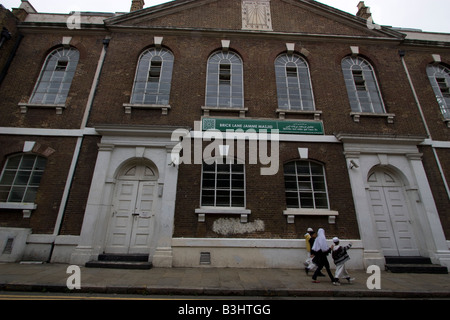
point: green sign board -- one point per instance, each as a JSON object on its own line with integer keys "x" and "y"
{"x": 284, "y": 126}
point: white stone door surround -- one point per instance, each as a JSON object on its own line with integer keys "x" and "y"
{"x": 120, "y": 147}
{"x": 399, "y": 155}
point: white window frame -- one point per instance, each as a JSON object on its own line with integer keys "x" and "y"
{"x": 374, "y": 106}
{"x": 143, "y": 69}
{"x": 433, "y": 71}
{"x": 227, "y": 210}
{"x": 71, "y": 56}
{"x": 291, "y": 212}
{"x": 213, "y": 86}
{"x": 303, "y": 88}
{"x": 26, "y": 206}
{"x": 311, "y": 190}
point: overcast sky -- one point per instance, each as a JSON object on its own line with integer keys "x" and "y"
{"x": 428, "y": 15}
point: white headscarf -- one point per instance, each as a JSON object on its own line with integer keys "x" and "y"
{"x": 321, "y": 242}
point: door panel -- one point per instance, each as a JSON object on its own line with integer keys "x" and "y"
{"x": 133, "y": 217}
{"x": 391, "y": 215}
{"x": 122, "y": 219}
{"x": 143, "y": 227}
{"x": 382, "y": 221}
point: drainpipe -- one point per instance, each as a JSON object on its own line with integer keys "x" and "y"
{"x": 419, "y": 106}
{"x": 77, "y": 150}
{"x": 11, "y": 56}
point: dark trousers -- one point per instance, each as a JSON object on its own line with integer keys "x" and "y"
{"x": 323, "y": 262}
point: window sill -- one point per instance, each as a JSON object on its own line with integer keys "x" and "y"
{"x": 203, "y": 211}
{"x": 282, "y": 113}
{"x": 58, "y": 107}
{"x": 357, "y": 115}
{"x": 164, "y": 108}
{"x": 207, "y": 109}
{"x": 292, "y": 213}
{"x": 25, "y": 207}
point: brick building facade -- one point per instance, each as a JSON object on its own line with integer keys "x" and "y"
{"x": 91, "y": 102}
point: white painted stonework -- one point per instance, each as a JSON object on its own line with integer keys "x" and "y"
{"x": 113, "y": 225}
{"x": 253, "y": 253}
{"x": 387, "y": 211}
{"x": 256, "y": 15}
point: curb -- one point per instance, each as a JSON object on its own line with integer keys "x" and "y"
{"x": 229, "y": 292}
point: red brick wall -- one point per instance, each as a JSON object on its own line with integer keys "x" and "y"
{"x": 265, "y": 197}
{"x": 51, "y": 189}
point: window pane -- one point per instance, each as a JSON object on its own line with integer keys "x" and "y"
{"x": 13, "y": 162}
{"x": 305, "y": 185}
{"x": 306, "y": 200}
{"x": 303, "y": 168}
{"x": 223, "y": 198}
{"x": 16, "y": 194}
{"x": 35, "y": 178}
{"x": 223, "y": 184}
{"x": 321, "y": 200}
{"x": 316, "y": 169}
{"x": 208, "y": 198}
{"x": 363, "y": 91}
{"x": 238, "y": 199}
{"x": 56, "y": 76}
{"x": 289, "y": 168}
{"x": 224, "y": 80}
{"x": 293, "y": 83}
{"x": 27, "y": 162}
{"x": 4, "y": 192}
{"x": 154, "y": 77}
{"x": 290, "y": 183}
{"x": 30, "y": 195}
{"x": 22, "y": 178}
{"x": 8, "y": 177}
{"x": 292, "y": 200}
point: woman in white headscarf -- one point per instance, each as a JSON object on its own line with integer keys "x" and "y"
{"x": 320, "y": 250}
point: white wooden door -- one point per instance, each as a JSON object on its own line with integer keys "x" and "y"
{"x": 143, "y": 218}
{"x": 121, "y": 224}
{"x": 132, "y": 222}
{"x": 391, "y": 215}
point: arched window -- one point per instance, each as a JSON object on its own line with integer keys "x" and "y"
{"x": 293, "y": 83}
{"x": 21, "y": 178}
{"x": 305, "y": 185}
{"x": 56, "y": 77}
{"x": 223, "y": 184}
{"x": 224, "y": 81}
{"x": 440, "y": 81}
{"x": 153, "y": 77}
{"x": 362, "y": 87}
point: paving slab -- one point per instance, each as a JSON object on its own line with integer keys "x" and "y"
{"x": 219, "y": 282}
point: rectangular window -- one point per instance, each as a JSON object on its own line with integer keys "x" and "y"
{"x": 155, "y": 71}
{"x": 225, "y": 74}
{"x": 305, "y": 185}
{"x": 443, "y": 86}
{"x": 360, "y": 83}
{"x": 21, "y": 178}
{"x": 61, "y": 65}
{"x": 291, "y": 72}
{"x": 223, "y": 185}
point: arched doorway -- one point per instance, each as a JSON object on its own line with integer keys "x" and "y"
{"x": 391, "y": 214}
{"x": 132, "y": 223}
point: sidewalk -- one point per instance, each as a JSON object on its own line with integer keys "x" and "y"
{"x": 218, "y": 282}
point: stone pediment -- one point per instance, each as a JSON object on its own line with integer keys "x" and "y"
{"x": 280, "y": 16}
